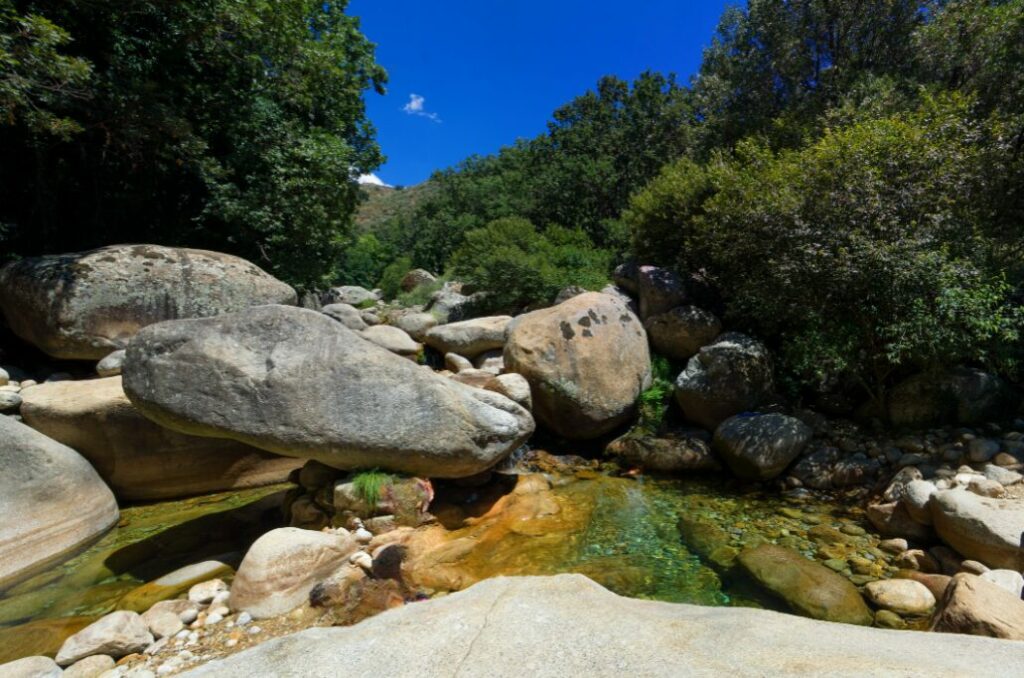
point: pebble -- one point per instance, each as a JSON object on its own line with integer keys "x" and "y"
{"x": 1003, "y": 476}
{"x": 973, "y": 567}
{"x": 363, "y": 535}
{"x": 896, "y": 546}
{"x": 243, "y": 619}
{"x": 204, "y": 593}
{"x": 253, "y": 630}
{"x": 986, "y": 488}
{"x": 213, "y": 618}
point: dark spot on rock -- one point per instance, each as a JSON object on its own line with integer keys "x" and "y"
{"x": 584, "y": 321}
{"x": 567, "y": 331}
{"x": 587, "y": 333}
{"x": 625, "y": 318}
{"x": 593, "y": 316}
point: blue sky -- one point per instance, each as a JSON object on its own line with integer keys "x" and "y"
{"x": 486, "y": 72}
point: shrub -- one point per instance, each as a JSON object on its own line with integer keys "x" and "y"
{"x": 390, "y": 281}
{"x": 857, "y": 255}
{"x": 369, "y": 485}
{"x": 518, "y": 266}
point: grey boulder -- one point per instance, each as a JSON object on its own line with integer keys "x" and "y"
{"x": 586, "y": 360}
{"x": 116, "y": 635}
{"x": 83, "y": 306}
{"x": 53, "y": 501}
{"x": 299, "y": 384}
{"x": 682, "y": 331}
{"x": 980, "y": 528}
{"x": 731, "y": 375}
{"x": 469, "y": 338}
{"x": 349, "y": 316}
{"x": 760, "y": 446}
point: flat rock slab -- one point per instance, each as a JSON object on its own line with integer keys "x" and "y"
{"x": 295, "y": 382}
{"x": 568, "y": 626}
{"x": 82, "y": 306}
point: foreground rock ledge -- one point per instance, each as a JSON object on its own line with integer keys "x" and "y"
{"x": 297, "y": 383}
{"x": 569, "y": 626}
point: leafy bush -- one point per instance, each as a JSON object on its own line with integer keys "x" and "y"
{"x": 857, "y": 255}
{"x": 390, "y": 281}
{"x": 655, "y": 400}
{"x": 518, "y": 266}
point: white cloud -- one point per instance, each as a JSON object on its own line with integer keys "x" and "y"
{"x": 372, "y": 179}
{"x": 417, "y": 106}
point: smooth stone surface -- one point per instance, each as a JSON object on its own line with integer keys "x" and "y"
{"x": 110, "y": 366}
{"x": 586, "y": 360}
{"x": 352, "y": 295}
{"x": 512, "y": 386}
{"x": 349, "y": 316}
{"x": 469, "y": 338}
{"x": 916, "y": 496}
{"x": 731, "y": 375}
{"x": 283, "y": 566}
{"x": 902, "y": 596}
{"x": 90, "y": 667}
{"x": 139, "y": 459}
{"x": 1011, "y": 580}
{"x": 10, "y": 402}
{"x": 987, "y": 530}
{"x": 760, "y": 446}
{"x": 682, "y": 331}
{"x": 808, "y": 588}
{"x": 31, "y": 667}
{"x": 296, "y": 383}
{"x": 974, "y": 606}
{"x": 569, "y": 627}
{"x": 96, "y": 301}
{"x": 52, "y": 500}
{"x": 117, "y": 634}
{"x": 392, "y": 339}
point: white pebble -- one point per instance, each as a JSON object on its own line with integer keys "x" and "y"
{"x": 231, "y": 642}
{"x": 254, "y": 630}
{"x": 213, "y": 619}
{"x": 363, "y": 535}
{"x": 244, "y": 619}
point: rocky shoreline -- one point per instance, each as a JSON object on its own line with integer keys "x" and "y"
{"x": 210, "y": 378}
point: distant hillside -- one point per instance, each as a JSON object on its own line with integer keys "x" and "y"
{"x": 382, "y": 203}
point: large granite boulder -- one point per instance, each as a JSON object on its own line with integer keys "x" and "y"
{"x": 809, "y": 588}
{"x": 569, "y": 626}
{"x": 392, "y": 339}
{"x": 299, "y": 384}
{"x": 983, "y": 529}
{"x": 469, "y": 338}
{"x": 52, "y": 500}
{"x": 760, "y": 446}
{"x": 31, "y": 667}
{"x": 682, "y": 331}
{"x": 980, "y": 608}
{"x": 587, "y": 362}
{"x": 660, "y": 290}
{"x": 416, "y": 278}
{"x": 83, "y": 306}
{"x": 729, "y": 376}
{"x": 283, "y": 566}
{"x": 962, "y": 395}
{"x": 139, "y": 459}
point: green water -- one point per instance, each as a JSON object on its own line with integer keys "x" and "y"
{"x": 622, "y": 532}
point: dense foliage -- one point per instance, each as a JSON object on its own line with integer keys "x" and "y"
{"x": 234, "y": 126}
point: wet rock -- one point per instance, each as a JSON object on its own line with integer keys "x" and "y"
{"x": 392, "y": 339}
{"x": 283, "y": 566}
{"x": 660, "y": 290}
{"x": 807, "y": 587}
{"x": 669, "y": 453}
{"x": 60, "y": 502}
{"x": 760, "y": 446}
{"x": 96, "y": 301}
{"x": 730, "y": 376}
{"x": 682, "y": 331}
{"x": 586, "y": 360}
{"x": 173, "y": 584}
{"x": 349, "y": 316}
{"x": 470, "y": 338}
{"x": 140, "y": 460}
{"x": 961, "y": 395}
{"x": 110, "y": 366}
{"x": 117, "y": 634}
{"x": 976, "y": 607}
{"x": 31, "y": 667}
{"x": 988, "y": 530}
{"x": 347, "y": 403}
{"x": 902, "y": 596}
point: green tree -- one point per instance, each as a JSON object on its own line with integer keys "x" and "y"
{"x": 234, "y": 126}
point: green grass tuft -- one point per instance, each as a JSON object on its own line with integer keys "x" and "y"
{"x": 369, "y": 485}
